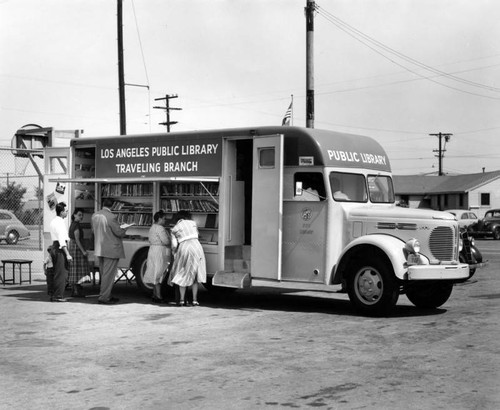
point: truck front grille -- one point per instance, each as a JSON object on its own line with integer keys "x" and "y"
{"x": 442, "y": 243}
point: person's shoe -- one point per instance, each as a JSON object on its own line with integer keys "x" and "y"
{"x": 157, "y": 300}
{"x": 195, "y": 303}
{"x": 60, "y": 300}
{"x": 111, "y": 301}
{"x": 77, "y": 292}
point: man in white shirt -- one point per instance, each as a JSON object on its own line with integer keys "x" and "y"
{"x": 61, "y": 256}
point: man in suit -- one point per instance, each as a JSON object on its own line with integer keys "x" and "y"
{"x": 108, "y": 247}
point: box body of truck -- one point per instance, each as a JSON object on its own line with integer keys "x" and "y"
{"x": 276, "y": 204}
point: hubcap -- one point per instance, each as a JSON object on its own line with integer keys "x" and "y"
{"x": 369, "y": 286}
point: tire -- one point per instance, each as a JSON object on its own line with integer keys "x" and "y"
{"x": 372, "y": 287}
{"x": 12, "y": 237}
{"x": 496, "y": 234}
{"x": 429, "y": 295}
{"x": 139, "y": 268}
{"x": 471, "y": 270}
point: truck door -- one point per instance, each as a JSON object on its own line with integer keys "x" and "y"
{"x": 267, "y": 207}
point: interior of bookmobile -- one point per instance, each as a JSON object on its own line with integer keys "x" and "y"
{"x": 241, "y": 186}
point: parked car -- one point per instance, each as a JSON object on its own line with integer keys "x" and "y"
{"x": 488, "y": 227}
{"x": 464, "y": 217}
{"x": 12, "y": 229}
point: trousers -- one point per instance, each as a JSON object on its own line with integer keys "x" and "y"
{"x": 107, "y": 272}
{"x": 60, "y": 274}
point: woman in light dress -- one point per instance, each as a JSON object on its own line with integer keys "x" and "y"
{"x": 158, "y": 255}
{"x": 189, "y": 267}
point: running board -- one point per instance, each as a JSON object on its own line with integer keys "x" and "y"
{"x": 237, "y": 280}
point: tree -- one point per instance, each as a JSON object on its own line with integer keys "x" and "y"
{"x": 11, "y": 197}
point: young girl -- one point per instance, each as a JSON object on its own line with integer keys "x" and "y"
{"x": 189, "y": 267}
{"x": 79, "y": 268}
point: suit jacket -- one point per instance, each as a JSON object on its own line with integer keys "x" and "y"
{"x": 107, "y": 235}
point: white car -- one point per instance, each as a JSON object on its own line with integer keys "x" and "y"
{"x": 464, "y": 217}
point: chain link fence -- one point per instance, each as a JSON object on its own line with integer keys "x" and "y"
{"x": 21, "y": 206}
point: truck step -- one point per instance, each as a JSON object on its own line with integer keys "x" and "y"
{"x": 238, "y": 280}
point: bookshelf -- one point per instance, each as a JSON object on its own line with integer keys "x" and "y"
{"x": 133, "y": 203}
{"x": 199, "y": 198}
{"x": 84, "y": 192}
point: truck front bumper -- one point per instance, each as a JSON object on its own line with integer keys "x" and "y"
{"x": 438, "y": 272}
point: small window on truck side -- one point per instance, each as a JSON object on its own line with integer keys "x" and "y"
{"x": 348, "y": 187}
{"x": 309, "y": 186}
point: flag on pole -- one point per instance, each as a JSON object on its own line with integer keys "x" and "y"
{"x": 288, "y": 115}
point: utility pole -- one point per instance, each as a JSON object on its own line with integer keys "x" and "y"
{"x": 309, "y": 11}
{"x": 121, "y": 71}
{"x": 441, "y": 149}
{"x": 167, "y": 108}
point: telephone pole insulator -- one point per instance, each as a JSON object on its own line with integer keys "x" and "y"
{"x": 167, "y": 109}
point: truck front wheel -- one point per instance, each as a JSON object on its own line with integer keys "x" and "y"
{"x": 372, "y": 287}
{"x": 429, "y": 295}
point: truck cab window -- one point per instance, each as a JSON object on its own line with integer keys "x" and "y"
{"x": 348, "y": 187}
{"x": 309, "y": 186}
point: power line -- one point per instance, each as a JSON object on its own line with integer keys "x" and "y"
{"x": 359, "y": 36}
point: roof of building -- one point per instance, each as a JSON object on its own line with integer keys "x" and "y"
{"x": 444, "y": 184}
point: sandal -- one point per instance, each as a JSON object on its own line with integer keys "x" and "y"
{"x": 195, "y": 303}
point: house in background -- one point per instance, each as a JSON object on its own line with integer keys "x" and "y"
{"x": 476, "y": 192}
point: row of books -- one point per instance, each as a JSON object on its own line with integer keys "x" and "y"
{"x": 139, "y": 219}
{"x": 127, "y": 190}
{"x": 192, "y": 205}
{"x": 186, "y": 189}
{"x": 127, "y": 206}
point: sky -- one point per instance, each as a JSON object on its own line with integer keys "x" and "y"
{"x": 395, "y": 70}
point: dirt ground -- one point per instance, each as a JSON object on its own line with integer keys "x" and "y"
{"x": 259, "y": 348}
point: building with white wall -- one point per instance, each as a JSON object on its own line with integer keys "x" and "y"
{"x": 477, "y": 192}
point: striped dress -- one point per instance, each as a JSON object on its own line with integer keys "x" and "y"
{"x": 79, "y": 267}
{"x": 189, "y": 262}
{"x": 158, "y": 257}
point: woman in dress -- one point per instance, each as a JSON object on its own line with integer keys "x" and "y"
{"x": 79, "y": 267}
{"x": 189, "y": 267}
{"x": 158, "y": 258}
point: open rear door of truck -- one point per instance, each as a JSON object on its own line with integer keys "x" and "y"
{"x": 267, "y": 207}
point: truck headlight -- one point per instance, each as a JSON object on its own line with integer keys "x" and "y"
{"x": 412, "y": 246}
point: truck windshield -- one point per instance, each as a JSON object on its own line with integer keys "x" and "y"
{"x": 381, "y": 189}
{"x": 348, "y": 187}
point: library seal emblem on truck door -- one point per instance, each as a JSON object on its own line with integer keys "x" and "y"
{"x": 306, "y": 214}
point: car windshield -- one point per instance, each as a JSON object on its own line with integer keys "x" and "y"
{"x": 381, "y": 189}
{"x": 348, "y": 187}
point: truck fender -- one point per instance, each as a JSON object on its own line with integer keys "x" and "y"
{"x": 390, "y": 246}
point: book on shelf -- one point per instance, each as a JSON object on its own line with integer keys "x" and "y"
{"x": 212, "y": 221}
{"x": 192, "y": 205}
{"x": 190, "y": 188}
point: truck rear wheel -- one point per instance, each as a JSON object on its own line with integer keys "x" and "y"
{"x": 429, "y": 295}
{"x": 372, "y": 287}
{"x": 139, "y": 268}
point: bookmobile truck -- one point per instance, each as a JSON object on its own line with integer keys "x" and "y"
{"x": 278, "y": 204}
